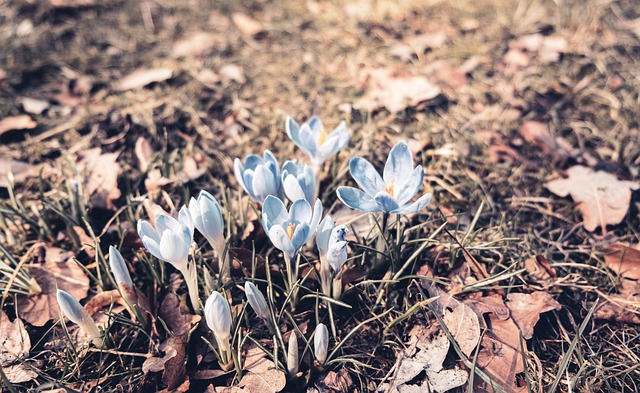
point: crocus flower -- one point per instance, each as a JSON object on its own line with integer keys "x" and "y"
{"x": 337, "y": 252}
{"x": 257, "y": 301}
{"x": 299, "y": 181}
{"x": 122, "y": 277}
{"x": 218, "y": 316}
{"x": 259, "y": 176}
{"x": 288, "y": 231}
{"x": 321, "y": 342}
{"x": 170, "y": 241}
{"x": 390, "y": 193}
{"x": 314, "y": 140}
{"x": 78, "y": 315}
{"x": 292, "y": 354}
{"x": 207, "y": 218}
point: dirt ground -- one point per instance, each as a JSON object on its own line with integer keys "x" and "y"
{"x": 496, "y": 99}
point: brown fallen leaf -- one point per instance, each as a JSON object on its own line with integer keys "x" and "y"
{"x": 260, "y": 374}
{"x": 59, "y": 271}
{"x": 142, "y": 77}
{"x": 15, "y": 346}
{"x": 623, "y": 260}
{"x": 13, "y": 123}
{"x": 144, "y": 153}
{"x": 101, "y": 177}
{"x": 246, "y": 24}
{"x": 463, "y": 324}
{"x": 526, "y": 309}
{"x": 538, "y": 134}
{"x": 196, "y": 43}
{"x": 623, "y": 307}
{"x": 601, "y": 197}
{"x": 338, "y": 381}
{"x": 540, "y": 270}
{"x": 190, "y": 169}
{"x": 394, "y": 91}
{"x": 20, "y": 171}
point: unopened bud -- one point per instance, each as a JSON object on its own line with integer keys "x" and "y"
{"x": 321, "y": 342}
{"x": 77, "y": 314}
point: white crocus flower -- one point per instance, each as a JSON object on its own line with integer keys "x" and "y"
{"x": 77, "y": 314}
{"x": 218, "y": 316}
{"x": 321, "y": 342}
{"x": 122, "y": 277}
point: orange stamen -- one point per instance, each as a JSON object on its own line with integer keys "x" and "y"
{"x": 390, "y": 187}
{"x": 290, "y": 230}
{"x": 322, "y": 136}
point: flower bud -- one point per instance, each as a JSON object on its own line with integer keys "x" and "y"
{"x": 321, "y": 342}
{"x": 257, "y": 301}
{"x": 77, "y": 314}
{"x": 122, "y": 277}
{"x": 218, "y": 315}
{"x": 292, "y": 354}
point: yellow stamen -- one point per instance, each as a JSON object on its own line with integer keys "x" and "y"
{"x": 290, "y": 230}
{"x": 390, "y": 187}
{"x": 322, "y": 136}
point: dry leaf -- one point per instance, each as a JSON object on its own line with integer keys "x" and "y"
{"x": 338, "y": 381}
{"x": 21, "y": 122}
{"x": 623, "y": 260}
{"x": 601, "y": 197}
{"x": 232, "y": 72}
{"x": 155, "y": 181}
{"x": 246, "y": 24}
{"x": 20, "y": 171}
{"x": 540, "y": 270}
{"x": 15, "y": 345}
{"x": 195, "y": 44}
{"x": 526, "y": 309}
{"x": 394, "y": 91}
{"x": 101, "y": 173}
{"x": 463, "y": 324}
{"x": 54, "y": 274}
{"x": 260, "y": 374}
{"x": 190, "y": 170}
{"x": 142, "y": 77}
{"x": 623, "y": 308}
{"x": 144, "y": 153}
{"x": 538, "y": 134}
{"x": 516, "y": 58}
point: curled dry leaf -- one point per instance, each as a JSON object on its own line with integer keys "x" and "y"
{"x": 526, "y": 309}
{"x": 463, "y": 324}
{"x": 144, "y": 153}
{"x": 21, "y": 122}
{"x": 395, "y": 91}
{"x": 15, "y": 345}
{"x": 623, "y": 260}
{"x": 260, "y": 374}
{"x": 190, "y": 169}
{"x": 540, "y": 270}
{"x": 56, "y": 273}
{"x": 101, "y": 173}
{"x": 144, "y": 76}
{"x": 601, "y": 197}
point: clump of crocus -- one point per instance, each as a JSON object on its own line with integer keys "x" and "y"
{"x": 391, "y": 193}
{"x": 321, "y": 343}
{"x": 259, "y": 176}
{"x": 170, "y": 240}
{"x": 299, "y": 181}
{"x": 208, "y": 220}
{"x": 314, "y": 140}
{"x": 218, "y": 316}
{"x": 258, "y": 303}
{"x": 332, "y": 249}
{"x": 292, "y": 355}
{"x": 122, "y": 277}
{"x": 77, "y": 314}
{"x": 290, "y": 230}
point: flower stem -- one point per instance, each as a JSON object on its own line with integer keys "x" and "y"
{"x": 191, "y": 278}
{"x": 381, "y": 244}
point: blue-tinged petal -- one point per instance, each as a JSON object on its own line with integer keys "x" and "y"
{"x": 174, "y": 250}
{"x": 152, "y": 246}
{"x": 315, "y": 124}
{"x": 289, "y": 168}
{"x": 308, "y": 139}
{"x": 366, "y": 176}
{"x": 119, "y": 268}
{"x": 324, "y": 233}
{"x": 281, "y": 241}
{"x": 300, "y": 211}
{"x": 317, "y": 214}
{"x": 357, "y": 199}
{"x": 211, "y": 217}
{"x": 335, "y": 141}
{"x": 399, "y": 164}
{"x": 165, "y": 222}
{"x": 293, "y": 189}
{"x": 300, "y": 236}
{"x": 273, "y": 213}
{"x": 252, "y": 161}
{"x": 410, "y": 187}
{"x": 184, "y": 218}
{"x": 272, "y": 164}
{"x": 307, "y": 182}
{"x": 293, "y": 130}
{"x": 263, "y": 183}
{"x": 385, "y": 201}
{"x": 238, "y": 171}
{"x": 146, "y": 229}
{"x": 414, "y": 207}
{"x": 247, "y": 177}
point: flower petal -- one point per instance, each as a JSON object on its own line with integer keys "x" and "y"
{"x": 292, "y": 188}
{"x": 317, "y": 214}
{"x": 414, "y": 207}
{"x": 165, "y": 222}
{"x": 410, "y": 187}
{"x": 399, "y": 164}
{"x": 300, "y": 212}
{"x": 273, "y": 213}
{"x": 184, "y": 218}
{"x": 263, "y": 183}
{"x": 293, "y": 130}
{"x": 308, "y": 139}
{"x": 366, "y": 176}
{"x": 147, "y": 230}
{"x": 174, "y": 250}
{"x": 335, "y": 141}
{"x": 324, "y": 233}
{"x": 385, "y": 201}
{"x": 357, "y": 199}
{"x": 300, "y": 235}
{"x": 238, "y": 171}
{"x": 281, "y": 241}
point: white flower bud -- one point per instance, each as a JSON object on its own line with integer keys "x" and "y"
{"x": 119, "y": 268}
{"x": 292, "y": 354}
{"x": 77, "y": 314}
{"x": 257, "y": 301}
{"x": 218, "y": 315}
{"x": 321, "y": 342}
